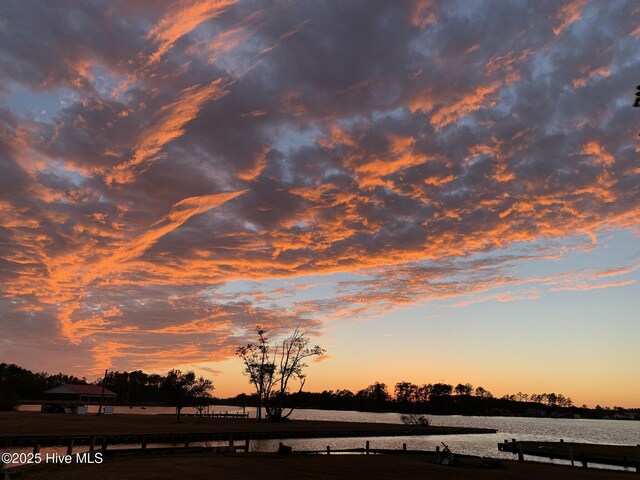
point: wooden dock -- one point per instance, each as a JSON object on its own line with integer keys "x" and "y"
{"x": 103, "y": 441}
{"x": 581, "y": 453}
{"x": 216, "y": 415}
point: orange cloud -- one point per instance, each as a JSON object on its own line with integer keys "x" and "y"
{"x": 423, "y": 13}
{"x": 507, "y": 65}
{"x": 595, "y": 149}
{"x": 337, "y": 136}
{"x": 582, "y": 81}
{"x": 169, "y": 125}
{"x": 254, "y": 113}
{"x": 179, "y": 214}
{"x": 594, "y": 286}
{"x": 568, "y": 14}
{"x": 398, "y": 157}
{"x": 178, "y": 22}
{"x": 481, "y": 97}
{"x": 282, "y": 38}
{"x": 292, "y": 103}
{"x": 226, "y": 41}
{"x": 71, "y": 275}
{"x": 253, "y": 171}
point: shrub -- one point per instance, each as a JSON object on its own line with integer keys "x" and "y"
{"x": 415, "y": 419}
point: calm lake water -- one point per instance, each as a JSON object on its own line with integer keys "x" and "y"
{"x": 614, "y": 432}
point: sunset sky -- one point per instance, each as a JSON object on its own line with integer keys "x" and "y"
{"x": 435, "y": 191}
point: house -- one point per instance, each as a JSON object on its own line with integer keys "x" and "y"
{"x": 75, "y": 398}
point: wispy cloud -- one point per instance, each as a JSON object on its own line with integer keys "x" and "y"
{"x": 182, "y": 19}
{"x": 169, "y": 125}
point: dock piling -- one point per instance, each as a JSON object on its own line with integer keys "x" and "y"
{"x": 366, "y": 448}
{"x": 571, "y": 455}
{"x": 520, "y": 453}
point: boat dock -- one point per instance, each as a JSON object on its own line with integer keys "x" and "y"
{"x": 581, "y": 453}
{"x": 103, "y": 441}
{"x": 216, "y": 415}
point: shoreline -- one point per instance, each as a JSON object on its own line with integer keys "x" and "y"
{"x": 133, "y": 409}
{"x": 33, "y": 431}
{"x": 33, "y": 424}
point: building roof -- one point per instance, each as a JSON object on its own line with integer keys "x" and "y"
{"x": 84, "y": 390}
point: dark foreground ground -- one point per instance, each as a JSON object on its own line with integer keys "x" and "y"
{"x": 272, "y": 466}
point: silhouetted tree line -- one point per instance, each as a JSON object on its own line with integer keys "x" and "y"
{"x": 444, "y": 399}
{"x": 137, "y": 387}
{"x": 176, "y": 388}
{"x": 17, "y": 383}
{"x": 132, "y": 388}
{"x": 180, "y": 389}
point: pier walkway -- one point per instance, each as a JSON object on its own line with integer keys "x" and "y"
{"x": 584, "y": 453}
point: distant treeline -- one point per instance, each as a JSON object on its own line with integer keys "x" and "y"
{"x": 18, "y": 383}
{"x": 132, "y": 388}
{"x": 445, "y": 399}
{"x": 138, "y": 388}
